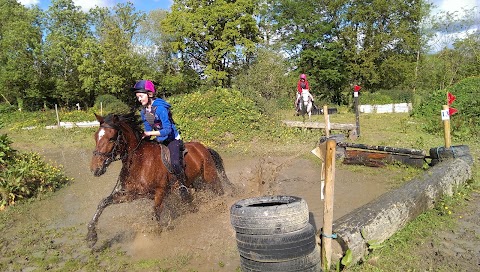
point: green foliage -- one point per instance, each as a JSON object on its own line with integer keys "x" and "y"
{"x": 108, "y": 103}
{"x": 25, "y": 175}
{"x": 220, "y": 35}
{"x": 464, "y": 124}
{"x": 386, "y": 97}
{"x": 265, "y": 81}
{"x": 218, "y": 116}
{"x": 6, "y": 151}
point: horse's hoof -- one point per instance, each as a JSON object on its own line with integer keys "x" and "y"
{"x": 91, "y": 239}
{"x": 184, "y": 194}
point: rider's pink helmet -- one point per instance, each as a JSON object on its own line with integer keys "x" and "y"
{"x": 144, "y": 86}
{"x": 303, "y": 76}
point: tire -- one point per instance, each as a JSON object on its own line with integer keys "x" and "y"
{"x": 307, "y": 263}
{"x": 438, "y": 154}
{"x": 452, "y": 152}
{"x": 269, "y": 215}
{"x": 277, "y": 247}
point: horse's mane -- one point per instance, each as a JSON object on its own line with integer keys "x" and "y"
{"x": 131, "y": 119}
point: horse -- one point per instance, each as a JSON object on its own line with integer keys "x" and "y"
{"x": 305, "y": 103}
{"x": 145, "y": 172}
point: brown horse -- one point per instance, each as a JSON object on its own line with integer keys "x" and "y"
{"x": 143, "y": 173}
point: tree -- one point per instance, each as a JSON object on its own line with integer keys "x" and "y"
{"x": 341, "y": 43}
{"x": 215, "y": 38}
{"x": 20, "y": 41}
{"x": 67, "y": 29}
{"x": 122, "y": 62}
{"x": 264, "y": 81}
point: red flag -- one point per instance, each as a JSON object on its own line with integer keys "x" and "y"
{"x": 452, "y": 111}
{"x": 356, "y": 88}
{"x": 450, "y": 98}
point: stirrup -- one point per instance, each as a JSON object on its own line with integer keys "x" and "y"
{"x": 183, "y": 187}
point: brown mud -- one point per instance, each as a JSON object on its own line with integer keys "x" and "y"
{"x": 204, "y": 236}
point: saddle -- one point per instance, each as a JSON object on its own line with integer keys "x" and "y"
{"x": 165, "y": 154}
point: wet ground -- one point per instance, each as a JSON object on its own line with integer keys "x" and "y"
{"x": 205, "y": 236}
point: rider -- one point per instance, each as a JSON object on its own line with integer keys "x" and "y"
{"x": 157, "y": 120}
{"x": 302, "y": 84}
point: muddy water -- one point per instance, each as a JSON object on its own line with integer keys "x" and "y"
{"x": 204, "y": 237}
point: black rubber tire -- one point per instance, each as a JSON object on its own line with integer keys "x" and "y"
{"x": 452, "y": 152}
{"x": 277, "y": 247}
{"x": 307, "y": 263}
{"x": 269, "y": 215}
{"x": 438, "y": 154}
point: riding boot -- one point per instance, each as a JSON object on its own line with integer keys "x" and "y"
{"x": 181, "y": 178}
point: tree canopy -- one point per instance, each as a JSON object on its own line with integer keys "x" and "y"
{"x": 64, "y": 55}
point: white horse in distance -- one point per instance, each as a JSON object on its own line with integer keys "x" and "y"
{"x": 305, "y": 103}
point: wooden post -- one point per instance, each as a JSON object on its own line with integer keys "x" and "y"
{"x": 446, "y": 126}
{"x": 357, "y": 112}
{"x": 327, "y": 121}
{"x": 56, "y": 112}
{"x": 327, "y": 234}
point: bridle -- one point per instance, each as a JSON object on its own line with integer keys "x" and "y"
{"x": 112, "y": 155}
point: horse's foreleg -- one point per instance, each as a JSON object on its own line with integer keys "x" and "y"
{"x": 115, "y": 197}
{"x": 159, "y": 205}
{"x": 92, "y": 232}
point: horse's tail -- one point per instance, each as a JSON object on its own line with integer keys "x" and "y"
{"x": 220, "y": 167}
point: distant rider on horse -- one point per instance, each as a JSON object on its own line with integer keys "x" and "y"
{"x": 158, "y": 122}
{"x": 302, "y": 84}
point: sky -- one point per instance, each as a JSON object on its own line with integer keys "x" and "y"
{"x": 147, "y": 5}
{"x": 143, "y": 5}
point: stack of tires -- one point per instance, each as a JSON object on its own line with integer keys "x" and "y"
{"x": 274, "y": 234}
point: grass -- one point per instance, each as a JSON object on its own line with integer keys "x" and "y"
{"x": 396, "y": 130}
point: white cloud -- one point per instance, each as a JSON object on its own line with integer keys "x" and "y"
{"x": 457, "y": 5}
{"x": 29, "y": 2}
{"x": 86, "y": 5}
{"x": 445, "y": 37}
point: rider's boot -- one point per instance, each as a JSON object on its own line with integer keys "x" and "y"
{"x": 183, "y": 189}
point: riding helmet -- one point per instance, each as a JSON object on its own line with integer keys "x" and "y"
{"x": 303, "y": 76}
{"x": 143, "y": 86}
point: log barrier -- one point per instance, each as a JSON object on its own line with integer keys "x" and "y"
{"x": 378, "y": 220}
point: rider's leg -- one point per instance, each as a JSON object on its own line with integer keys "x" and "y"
{"x": 297, "y": 100}
{"x": 176, "y": 158}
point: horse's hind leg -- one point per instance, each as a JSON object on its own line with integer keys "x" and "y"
{"x": 210, "y": 175}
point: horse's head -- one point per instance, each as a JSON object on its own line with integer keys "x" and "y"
{"x": 305, "y": 95}
{"x": 109, "y": 144}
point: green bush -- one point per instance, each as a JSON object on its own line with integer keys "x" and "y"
{"x": 464, "y": 124}
{"x": 25, "y": 175}
{"x": 216, "y": 116}
{"x": 108, "y": 103}
{"x": 6, "y": 151}
{"x": 386, "y": 97}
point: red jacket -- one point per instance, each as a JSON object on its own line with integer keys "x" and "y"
{"x": 300, "y": 87}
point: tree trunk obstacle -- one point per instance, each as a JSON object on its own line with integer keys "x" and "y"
{"x": 366, "y": 227}
{"x": 378, "y": 155}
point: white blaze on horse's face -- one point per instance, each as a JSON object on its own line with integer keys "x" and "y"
{"x": 101, "y": 133}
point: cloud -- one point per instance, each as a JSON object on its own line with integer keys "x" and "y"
{"x": 457, "y": 5}
{"x": 86, "y": 5}
{"x": 29, "y": 2}
{"x": 462, "y": 25}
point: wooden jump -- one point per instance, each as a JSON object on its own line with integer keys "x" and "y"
{"x": 351, "y": 128}
{"x": 335, "y": 126}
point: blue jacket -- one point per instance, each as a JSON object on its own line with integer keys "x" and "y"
{"x": 163, "y": 121}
